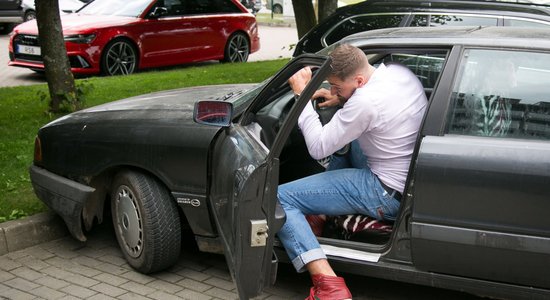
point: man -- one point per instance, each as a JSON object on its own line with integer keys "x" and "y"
{"x": 382, "y": 111}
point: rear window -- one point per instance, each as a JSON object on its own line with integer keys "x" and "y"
{"x": 452, "y": 20}
{"x": 361, "y": 23}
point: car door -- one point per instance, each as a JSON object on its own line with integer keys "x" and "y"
{"x": 243, "y": 195}
{"x": 481, "y": 197}
{"x": 183, "y": 34}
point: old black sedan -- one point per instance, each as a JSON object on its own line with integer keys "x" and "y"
{"x": 474, "y": 215}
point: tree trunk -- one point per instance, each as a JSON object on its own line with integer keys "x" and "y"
{"x": 54, "y": 53}
{"x": 304, "y": 15}
{"x": 326, "y": 8}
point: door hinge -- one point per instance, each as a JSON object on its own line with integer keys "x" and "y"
{"x": 258, "y": 233}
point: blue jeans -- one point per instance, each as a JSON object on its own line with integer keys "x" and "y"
{"x": 338, "y": 191}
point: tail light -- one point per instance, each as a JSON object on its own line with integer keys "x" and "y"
{"x": 37, "y": 150}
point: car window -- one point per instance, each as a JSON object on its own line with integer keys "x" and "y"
{"x": 525, "y": 23}
{"x": 361, "y": 23}
{"x": 193, "y": 7}
{"x": 502, "y": 94}
{"x": 132, "y": 8}
{"x": 426, "y": 66}
{"x": 422, "y": 20}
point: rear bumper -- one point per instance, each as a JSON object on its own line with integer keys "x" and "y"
{"x": 63, "y": 196}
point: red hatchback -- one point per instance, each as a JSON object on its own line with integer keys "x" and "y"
{"x": 115, "y": 37}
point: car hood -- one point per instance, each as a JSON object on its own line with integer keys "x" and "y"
{"x": 73, "y": 23}
{"x": 173, "y": 106}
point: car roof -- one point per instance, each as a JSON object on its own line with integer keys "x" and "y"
{"x": 505, "y": 8}
{"x": 494, "y": 8}
{"x": 508, "y": 37}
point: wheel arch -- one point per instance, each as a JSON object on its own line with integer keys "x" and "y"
{"x": 99, "y": 203}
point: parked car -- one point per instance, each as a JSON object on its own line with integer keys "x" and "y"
{"x": 376, "y": 14}
{"x": 474, "y": 212}
{"x": 65, "y": 6}
{"x": 143, "y": 34}
{"x": 276, "y": 6}
{"x": 11, "y": 13}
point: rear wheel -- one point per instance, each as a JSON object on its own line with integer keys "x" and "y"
{"x": 237, "y": 48}
{"x": 146, "y": 222}
{"x": 277, "y": 9}
{"x": 119, "y": 58}
{"x": 29, "y": 15}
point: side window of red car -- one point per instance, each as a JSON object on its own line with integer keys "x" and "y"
{"x": 501, "y": 94}
{"x": 194, "y": 7}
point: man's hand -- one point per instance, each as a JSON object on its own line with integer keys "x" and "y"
{"x": 299, "y": 80}
{"x": 330, "y": 99}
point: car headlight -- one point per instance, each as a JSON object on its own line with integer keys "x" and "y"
{"x": 79, "y": 38}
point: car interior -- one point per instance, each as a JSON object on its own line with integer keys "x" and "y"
{"x": 295, "y": 161}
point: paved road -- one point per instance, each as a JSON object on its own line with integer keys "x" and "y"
{"x": 275, "y": 43}
{"x": 67, "y": 269}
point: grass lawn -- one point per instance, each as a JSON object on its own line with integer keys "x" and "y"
{"x": 22, "y": 113}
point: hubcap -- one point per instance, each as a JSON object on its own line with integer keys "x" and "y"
{"x": 121, "y": 59}
{"x": 129, "y": 223}
{"x": 238, "y": 49}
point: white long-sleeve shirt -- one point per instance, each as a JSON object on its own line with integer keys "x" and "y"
{"x": 384, "y": 116}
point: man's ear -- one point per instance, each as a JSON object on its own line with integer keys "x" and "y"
{"x": 361, "y": 80}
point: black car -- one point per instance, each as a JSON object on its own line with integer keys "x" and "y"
{"x": 474, "y": 215}
{"x": 11, "y": 13}
{"x": 377, "y": 14}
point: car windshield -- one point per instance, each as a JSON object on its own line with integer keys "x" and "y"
{"x": 122, "y": 8}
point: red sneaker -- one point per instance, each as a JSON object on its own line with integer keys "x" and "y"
{"x": 328, "y": 288}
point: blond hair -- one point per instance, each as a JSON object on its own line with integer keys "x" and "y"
{"x": 347, "y": 60}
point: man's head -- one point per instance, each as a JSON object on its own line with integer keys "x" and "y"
{"x": 350, "y": 70}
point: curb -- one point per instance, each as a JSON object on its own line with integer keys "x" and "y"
{"x": 19, "y": 234}
{"x": 274, "y": 24}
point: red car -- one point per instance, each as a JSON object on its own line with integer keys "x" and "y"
{"x": 113, "y": 37}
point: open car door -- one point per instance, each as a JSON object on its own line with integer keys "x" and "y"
{"x": 245, "y": 177}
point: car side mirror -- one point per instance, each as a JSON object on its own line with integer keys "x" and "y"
{"x": 159, "y": 12}
{"x": 215, "y": 113}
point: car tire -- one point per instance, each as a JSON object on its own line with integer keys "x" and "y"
{"x": 237, "y": 48}
{"x": 6, "y": 28}
{"x": 119, "y": 57}
{"x": 146, "y": 222}
{"x": 277, "y": 9}
{"x": 29, "y": 15}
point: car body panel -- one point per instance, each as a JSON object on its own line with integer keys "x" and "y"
{"x": 472, "y": 217}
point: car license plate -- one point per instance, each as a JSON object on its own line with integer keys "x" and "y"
{"x": 32, "y": 50}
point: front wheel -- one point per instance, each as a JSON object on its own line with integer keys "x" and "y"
{"x": 146, "y": 222}
{"x": 119, "y": 58}
{"x": 237, "y": 48}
